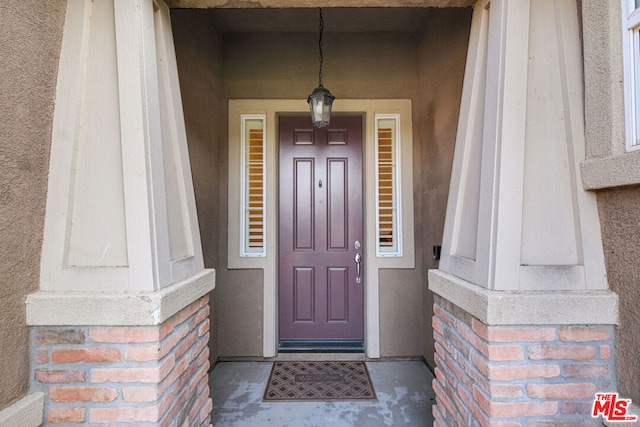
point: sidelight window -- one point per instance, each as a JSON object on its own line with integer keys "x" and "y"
{"x": 253, "y": 186}
{"x": 388, "y": 226}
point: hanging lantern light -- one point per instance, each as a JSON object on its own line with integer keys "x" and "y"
{"x": 320, "y": 100}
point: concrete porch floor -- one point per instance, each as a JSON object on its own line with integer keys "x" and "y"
{"x": 403, "y": 388}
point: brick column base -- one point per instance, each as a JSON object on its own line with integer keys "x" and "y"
{"x": 135, "y": 375}
{"x": 514, "y": 376}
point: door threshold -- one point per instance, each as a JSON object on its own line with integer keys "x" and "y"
{"x": 321, "y": 346}
{"x": 319, "y": 357}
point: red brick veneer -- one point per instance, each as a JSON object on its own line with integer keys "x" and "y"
{"x": 137, "y": 375}
{"x": 514, "y": 376}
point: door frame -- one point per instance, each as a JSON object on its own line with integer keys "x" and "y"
{"x": 369, "y": 109}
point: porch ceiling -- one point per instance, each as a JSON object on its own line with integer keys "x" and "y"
{"x": 336, "y": 20}
{"x": 253, "y": 4}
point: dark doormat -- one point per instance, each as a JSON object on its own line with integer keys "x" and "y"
{"x": 319, "y": 381}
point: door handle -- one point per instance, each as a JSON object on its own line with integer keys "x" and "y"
{"x": 358, "y": 258}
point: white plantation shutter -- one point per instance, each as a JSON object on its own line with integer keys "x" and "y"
{"x": 253, "y": 186}
{"x": 387, "y": 187}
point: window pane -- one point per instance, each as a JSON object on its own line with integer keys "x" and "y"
{"x": 387, "y": 187}
{"x": 253, "y": 209}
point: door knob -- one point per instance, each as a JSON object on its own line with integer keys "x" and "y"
{"x": 358, "y": 258}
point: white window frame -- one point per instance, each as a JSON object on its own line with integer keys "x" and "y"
{"x": 396, "y": 187}
{"x": 245, "y": 251}
{"x": 631, "y": 55}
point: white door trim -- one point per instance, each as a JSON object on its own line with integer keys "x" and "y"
{"x": 271, "y": 109}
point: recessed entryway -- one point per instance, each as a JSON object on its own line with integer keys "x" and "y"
{"x": 392, "y": 74}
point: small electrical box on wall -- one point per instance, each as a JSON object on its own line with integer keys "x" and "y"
{"x": 436, "y": 252}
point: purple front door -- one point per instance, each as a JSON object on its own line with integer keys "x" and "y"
{"x": 320, "y": 283}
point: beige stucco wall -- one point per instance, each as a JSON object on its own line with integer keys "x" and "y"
{"x": 442, "y": 56}
{"x": 285, "y": 65}
{"x": 30, "y": 37}
{"x": 610, "y": 168}
{"x": 199, "y": 55}
{"x": 618, "y": 210}
{"x": 278, "y": 65}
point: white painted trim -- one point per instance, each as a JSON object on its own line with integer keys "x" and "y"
{"x": 117, "y": 309}
{"x": 469, "y": 133}
{"x": 166, "y": 60}
{"x": 65, "y": 122}
{"x": 368, "y": 108}
{"x": 496, "y": 147}
{"x": 510, "y": 111}
{"x": 26, "y": 412}
{"x": 526, "y": 307}
{"x": 147, "y": 237}
{"x": 143, "y": 65}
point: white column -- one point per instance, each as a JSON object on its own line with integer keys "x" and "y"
{"x": 518, "y": 218}
{"x": 121, "y": 242}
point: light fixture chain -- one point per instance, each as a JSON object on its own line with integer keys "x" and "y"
{"x": 320, "y": 100}
{"x": 320, "y": 48}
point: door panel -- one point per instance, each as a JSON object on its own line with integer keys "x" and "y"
{"x": 320, "y": 219}
{"x": 303, "y": 294}
{"x": 338, "y": 288}
{"x": 338, "y": 204}
{"x": 303, "y": 213}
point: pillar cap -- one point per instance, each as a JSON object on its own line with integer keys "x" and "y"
{"x": 526, "y": 307}
{"x": 117, "y": 309}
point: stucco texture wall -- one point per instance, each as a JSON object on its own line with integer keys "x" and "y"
{"x": 442, "y": 57}
{"x": 30, "y": 37}
{"x": 199, "y": 56}
{"x": 358, "y": 66}
{"x": 617, "y": 206}
{"x": 618, "y": 209}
